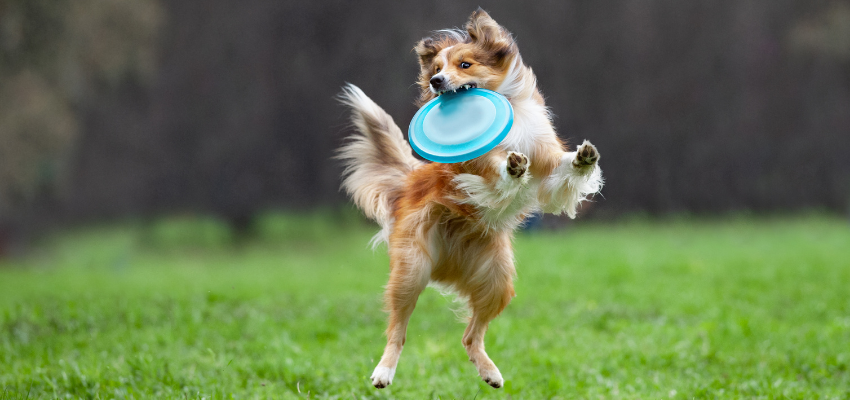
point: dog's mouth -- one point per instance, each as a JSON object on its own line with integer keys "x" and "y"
{"x": 466, "y": 86}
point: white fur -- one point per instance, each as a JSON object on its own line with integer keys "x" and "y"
{"x": 442, "y": 55}
{"x": 382, "y": 376}
{"x": 377, "y": 159}
{"x": 532, "y": 121}
{"x": 493, "y": 377}
{"x": 516, "y": 84}
{"x": 531, "y": 126}
{"x": 501, "y": 205}
{"x": 568, "y": 186}
{"x": 456, "y": 34}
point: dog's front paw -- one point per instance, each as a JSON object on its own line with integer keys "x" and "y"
{"x": 586, "y": 155}
{"x": 382, "y": 376}
{"x": 517, "y": 164}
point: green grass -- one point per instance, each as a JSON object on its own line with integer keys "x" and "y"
{"x": 737, "y": 308}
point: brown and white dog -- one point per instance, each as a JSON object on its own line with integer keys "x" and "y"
{"x": 451, "y": 225}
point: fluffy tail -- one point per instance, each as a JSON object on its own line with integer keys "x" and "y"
{"x": 376, "y": 159}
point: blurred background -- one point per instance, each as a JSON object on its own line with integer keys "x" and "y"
{"x": 113, "y": 109}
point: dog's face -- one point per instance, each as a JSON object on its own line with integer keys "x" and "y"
{"x": 453, "y": 59}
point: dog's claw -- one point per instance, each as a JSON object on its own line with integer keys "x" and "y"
{"x": 492, "y": 378}
{"x": 382, "y": 377}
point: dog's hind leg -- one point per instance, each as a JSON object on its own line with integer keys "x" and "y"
{"x": 408, "y": 277}
{"x": 491, "y": 291}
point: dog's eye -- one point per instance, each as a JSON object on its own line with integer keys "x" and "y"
{"x": 465, "y": 65}
{"x": 438, "y": 69}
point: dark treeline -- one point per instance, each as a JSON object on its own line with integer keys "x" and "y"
{"x": 145, "y": 107}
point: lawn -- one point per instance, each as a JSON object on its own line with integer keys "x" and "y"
{"x": 182, "y": 308}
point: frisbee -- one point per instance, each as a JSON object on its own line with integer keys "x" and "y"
{"x": 459, "y": 126}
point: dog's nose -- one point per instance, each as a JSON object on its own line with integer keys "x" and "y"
{"x": 437, "y": 81}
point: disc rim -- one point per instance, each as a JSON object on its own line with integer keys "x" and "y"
{"x": 504, "y": 114}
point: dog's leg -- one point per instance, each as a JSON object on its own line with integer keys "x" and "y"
{"x": 408, "y": 277}
{"x": 492, "y": 291}
{"x": 577, "y": 176}
{"x": 502, "y": 192}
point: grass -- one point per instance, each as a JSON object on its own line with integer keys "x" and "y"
{"x": 736, "y": 308}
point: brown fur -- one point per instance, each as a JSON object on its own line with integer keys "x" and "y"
{"x": 485, "y": 45}
{"x": 452, "y": 224}
{"x": 475, "y": 262}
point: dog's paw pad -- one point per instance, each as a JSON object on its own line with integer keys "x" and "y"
{"x": 382, "y": 377}
{"x": 586, "y": 155}
{"x": 517, "y": 164}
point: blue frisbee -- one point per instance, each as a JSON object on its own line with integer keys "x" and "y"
{"x": 459, "y": 126}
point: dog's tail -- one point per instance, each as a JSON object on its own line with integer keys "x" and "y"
{"x": 376, "y": 159}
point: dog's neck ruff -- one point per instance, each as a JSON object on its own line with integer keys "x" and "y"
{"x": 532, "y": 119}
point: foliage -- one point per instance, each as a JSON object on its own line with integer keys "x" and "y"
{"x": 155, "y": 106}
{"x": 37, "y": 128}
{"x": 188, "y": 232}
{"x": 739, "y": 308}
{"x": 56, "y": 56}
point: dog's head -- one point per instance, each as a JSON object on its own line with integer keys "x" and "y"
{"x": 480, "y": 56}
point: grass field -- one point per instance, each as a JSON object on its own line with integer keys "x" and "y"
{"x": 735, "y": 308}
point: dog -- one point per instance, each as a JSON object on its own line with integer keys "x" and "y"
{"x": 451, "y": 225}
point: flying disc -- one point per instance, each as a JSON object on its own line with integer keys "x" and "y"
{"x": 459, "y": 126}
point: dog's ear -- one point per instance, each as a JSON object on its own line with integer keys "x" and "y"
{"x": 426, "y": 49}
{"x": 486, "y": 32}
